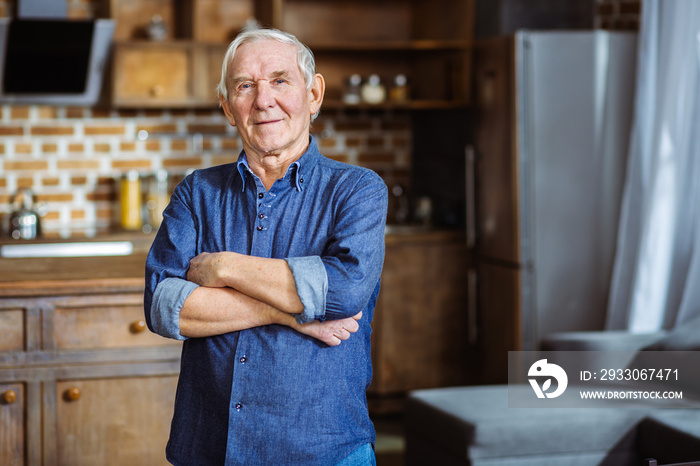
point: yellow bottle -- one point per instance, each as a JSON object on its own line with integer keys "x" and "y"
{"x": 130, "y": 201}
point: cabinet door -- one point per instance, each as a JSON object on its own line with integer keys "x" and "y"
{"x": 420, "y": 326}
{"x": 116, "y": 421}
{"x": 152, "y": 75}
{"x": 12, "y": 325}
{"x": 499, "y": 303}
{"x": 12, "y": 425}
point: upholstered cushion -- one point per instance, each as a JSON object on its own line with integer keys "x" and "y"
{"x": 474, "y": 425}
{"x": 685, "y": 337}
{"x": 609, "y": 340}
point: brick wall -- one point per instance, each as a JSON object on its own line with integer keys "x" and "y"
{"x": 70, "y": 156}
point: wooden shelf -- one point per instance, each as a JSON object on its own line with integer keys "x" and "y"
{"x": 334, "y": 104}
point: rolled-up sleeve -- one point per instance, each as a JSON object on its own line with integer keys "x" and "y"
{"x": 312, "y": 285}
{"x": 167, "y": 264}
{"x": 167, "y": 302}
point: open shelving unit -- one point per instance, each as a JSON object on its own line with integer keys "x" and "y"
{"x": 429, "y": 41}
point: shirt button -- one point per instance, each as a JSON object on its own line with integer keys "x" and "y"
{"x": 243, "y": 359}
{"x": 238, "y": 406}
{"x": 260, "y": 227}
{"x": 261, "y": 216}
{"x": 301, "y": 180}
{"x": 261, "y": 195}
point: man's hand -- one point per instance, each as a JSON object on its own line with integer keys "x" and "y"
{"x": 208, "y": 269}
{"x": 331, "y": 332}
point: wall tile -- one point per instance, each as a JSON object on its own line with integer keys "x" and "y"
{"x": 131, "y": 164}
{"x": 13, "y": 130}
{"x": 26, "y": 165}
{"x": 104, "y": 130}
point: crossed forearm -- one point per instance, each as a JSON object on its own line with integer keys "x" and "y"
{"x": 225, "y": 302}
{"x": 267, "y": 280}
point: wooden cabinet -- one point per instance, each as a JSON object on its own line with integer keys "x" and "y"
{"x": 12, "y": 423}
{"x": 421, "y": 327}
{"x": 183, "y": 69}
{"x": 82, "y": 380}
{"x": 428, "y": 41}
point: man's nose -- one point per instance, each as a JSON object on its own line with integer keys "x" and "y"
{"x": 263, "y": 96}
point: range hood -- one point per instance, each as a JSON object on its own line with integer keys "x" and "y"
{"x": 48, "y": 59}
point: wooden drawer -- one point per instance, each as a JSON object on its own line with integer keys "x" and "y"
{"x": 12, "y": 325}
{"x": 119, "y": 421}
{"x": 152, "y": 74}
{"x": 103, "y": 322}
{"x": 12, "y": 424}
{"x": 166, "y": 74}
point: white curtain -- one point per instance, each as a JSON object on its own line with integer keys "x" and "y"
{"x": 656, "y": 276}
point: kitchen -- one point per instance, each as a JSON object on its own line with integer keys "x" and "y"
{"x": 76, "y": 160}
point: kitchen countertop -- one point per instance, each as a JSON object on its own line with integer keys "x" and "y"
{"x": 64, "y": 275}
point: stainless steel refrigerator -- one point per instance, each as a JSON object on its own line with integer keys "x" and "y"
{"x": 544, "y": 184}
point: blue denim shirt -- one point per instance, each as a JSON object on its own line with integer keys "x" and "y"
{"x": 270, "y": 395}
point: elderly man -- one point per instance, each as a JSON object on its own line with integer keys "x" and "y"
{"x": 268, "y": 269}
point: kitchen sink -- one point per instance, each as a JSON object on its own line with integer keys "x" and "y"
{"x": 67, "y": 249}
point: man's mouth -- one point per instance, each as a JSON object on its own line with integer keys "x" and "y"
{"x": 266, "y": 122}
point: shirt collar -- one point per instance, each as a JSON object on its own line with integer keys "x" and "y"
{"x": 298, "y": 171}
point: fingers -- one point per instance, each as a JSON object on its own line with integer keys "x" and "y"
{"x": 346, "y": 327}
{"x": 341, "y": 334}
{"x": 331, "y": 332}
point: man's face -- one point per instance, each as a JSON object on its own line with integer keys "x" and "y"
{"x": 268, "y": 101}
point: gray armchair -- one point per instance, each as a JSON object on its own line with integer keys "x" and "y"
{"x": 474, "y": 425}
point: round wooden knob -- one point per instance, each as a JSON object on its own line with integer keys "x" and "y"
{"x": 9, "y": 397}
{"x": 138, "y": 326}
{"x": 157, "y": 91}
{"x": 73, "y": 394}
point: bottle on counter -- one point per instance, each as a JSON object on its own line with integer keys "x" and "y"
{"x": 130, "y": 201}
{"x": 399, "y": 91}
{"x": 157, "y": 198}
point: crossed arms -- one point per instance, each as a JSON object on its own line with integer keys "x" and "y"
{"x": 238, "y": 292}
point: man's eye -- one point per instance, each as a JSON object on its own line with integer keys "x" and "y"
{"x": 279, "y": 81}
{"x": 245, "y": 86}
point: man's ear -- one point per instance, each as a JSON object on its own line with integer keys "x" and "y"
{"x": 227, "y": 110}
{"x": 318, "y": 89}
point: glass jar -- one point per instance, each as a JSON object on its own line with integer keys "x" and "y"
{"x": 373, "y": 91}
{"x": 351, "y": 94}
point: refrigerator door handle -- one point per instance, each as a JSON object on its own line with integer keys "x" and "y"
{"x": 470, "y": 164}
{"x": 472, "y": 311}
